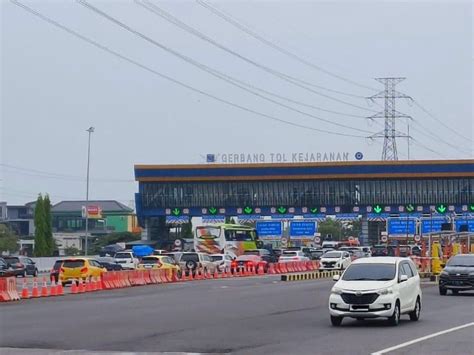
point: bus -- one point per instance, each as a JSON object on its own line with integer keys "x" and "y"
{"x": 232, "y": 239}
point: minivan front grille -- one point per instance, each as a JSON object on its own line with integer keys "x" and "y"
{"x": 364, "y": 298}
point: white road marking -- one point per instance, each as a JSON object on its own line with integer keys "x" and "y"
{"x": 417, "y": 340}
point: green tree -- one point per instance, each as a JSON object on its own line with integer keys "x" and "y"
{"x": 8, "y": 240}
{"x": 48, "y": 228}
{"x": 330, "y": 227}
{"x": 113, "y": 238}
{"x": 71, "y": 251}
{"x": 229, "y": 220}
{"x": 41, "y": 244}
{"x": 187, "y": 230}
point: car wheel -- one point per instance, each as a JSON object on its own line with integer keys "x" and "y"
{"x": 35, "y": 274}
{"x": 336, "y": 321}
{"x": 455, "y": 292}
{"x": 394, "y": 319}
{"x": 442, "y": 291}
{"x": 415, "y": 314}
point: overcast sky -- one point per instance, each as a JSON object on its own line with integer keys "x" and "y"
{"x": 54, "y": 86}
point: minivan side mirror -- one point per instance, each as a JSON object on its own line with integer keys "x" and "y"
{"x": 403, "y": 278}
{"x": 336, "y": 278}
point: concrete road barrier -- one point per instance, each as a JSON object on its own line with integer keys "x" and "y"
{"x": 310, "y": 275}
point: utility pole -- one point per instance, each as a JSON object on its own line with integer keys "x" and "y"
{"x": 90, "y": 130}
{"x": 390, "y": 115}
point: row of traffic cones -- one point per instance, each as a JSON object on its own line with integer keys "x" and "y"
{"x": 89, "y": 285}
{"x": 55, "y": 289}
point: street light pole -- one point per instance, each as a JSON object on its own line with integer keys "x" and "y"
{"x": 90, "y": 130}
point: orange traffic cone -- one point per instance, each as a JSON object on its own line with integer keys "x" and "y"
{"x": 59, "y": 288}
{"x": 24, "y": 292}
{"x": 44, "y": 288}
{"x": 54, "y": 290}
{"x": 216, "y": 274}
{"x": 99, "y": 284}
{"x": 88, "y": 285}
{"x": 81, "y": 287}
{"x": 35, "y": 292}
{"x": 94, "y": 284}
{"x": 74, "y": 288}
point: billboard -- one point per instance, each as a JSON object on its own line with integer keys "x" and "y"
{"x": 93, "y": 212}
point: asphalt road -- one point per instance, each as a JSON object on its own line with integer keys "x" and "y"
{"x": 244, "y": 316}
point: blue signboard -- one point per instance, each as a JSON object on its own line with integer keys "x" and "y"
{"x": 429, "y": 225}
{"x": 267, "y": 229}
{"x": 301, "y": 229}
{"x": 401, "y": 226}
{"x": 469, "y": 222}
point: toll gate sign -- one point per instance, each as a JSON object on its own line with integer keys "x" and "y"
{"x": 302, "y": 229}
{"x": 269, "y": 229}
{"x": 401, "y": 226}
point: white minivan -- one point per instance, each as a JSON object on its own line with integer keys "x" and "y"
{"x": 126, "y": 259}
{"x": 376, "y": 287}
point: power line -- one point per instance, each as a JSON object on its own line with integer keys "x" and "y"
{"x": 47, "y": 174}
{"x": 168, "y": 78}
{"x": 418, "y": 143}
{"x": 207, "y": 69}
{"x": 198, "y": 64}
{"x": 156, "y": 10}
{"x": 425, "y": 131}
{"x": 237, "y": 23}
{"x": 440, "y": 121}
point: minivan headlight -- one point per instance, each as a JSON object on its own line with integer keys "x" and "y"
{"x": 336, "y": 291}
{"x": 385, "y": 291}
{"x": 444, "y": 273}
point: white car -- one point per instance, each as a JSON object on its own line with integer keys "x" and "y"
{"x": 376, "y": 287}
{"x": 335, "y": 260}
{"x": 222, "y": 261}
{"x": 126, "y": 259}
{"x": 292, "y": 255}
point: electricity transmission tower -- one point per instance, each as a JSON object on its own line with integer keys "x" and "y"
{"x": 390, "y": 115}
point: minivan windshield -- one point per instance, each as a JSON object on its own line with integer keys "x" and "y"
{"x": 123, "y": 256}
{"x": 370, "y": 272}
{"x": 464, "y": 260}
{"x": 332, "y": 254}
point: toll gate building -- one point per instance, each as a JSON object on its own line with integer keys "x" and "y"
{"x": 373, "y": 191}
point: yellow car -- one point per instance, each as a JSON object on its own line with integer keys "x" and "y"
{"x": 80, "y": 268}
{"x": 154, "y": 262}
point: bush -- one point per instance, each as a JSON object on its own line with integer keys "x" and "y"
{"x": 8, "y": 240}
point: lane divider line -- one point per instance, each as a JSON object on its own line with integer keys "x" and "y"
{"x": 426, "y": 337}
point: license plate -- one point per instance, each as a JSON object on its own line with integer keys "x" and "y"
{"x": 148, "y": 266}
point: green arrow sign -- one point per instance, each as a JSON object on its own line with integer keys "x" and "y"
{"x": 248, "y": 210}
{"x": 212, "y": 210}
{"x": 410, "y": 208}
{"x": 377, "y": 209}
{"x": 471, "y": 208}
{"x": 281, "y": 209}
{"x": 176, "y": 211}
{"x": 313, "y": 210}
{"x": 441, "y": 208}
